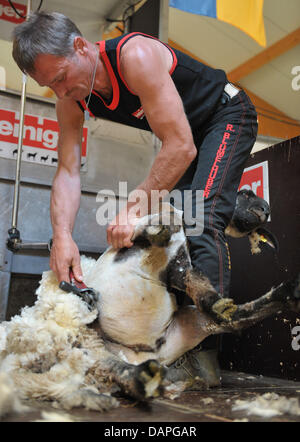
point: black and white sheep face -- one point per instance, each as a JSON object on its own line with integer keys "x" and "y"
{"x": 250, "y": 212}
{"x": 249, "y": 218}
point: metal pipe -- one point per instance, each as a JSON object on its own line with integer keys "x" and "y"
{"x": 20, "y": 143}
{"x": 83, "y": 248}
{"x": 19, "y": 156}
{"x": 32, "y": 246}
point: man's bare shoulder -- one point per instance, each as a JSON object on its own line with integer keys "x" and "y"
{"x": 142, "y": 60}
{"x": 144, "y": 51}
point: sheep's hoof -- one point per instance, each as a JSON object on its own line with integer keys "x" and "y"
{"x": 224, "y": 309}
{"x": 149, "y": 379}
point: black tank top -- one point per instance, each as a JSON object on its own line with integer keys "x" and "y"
{"x": 199, "y": 86}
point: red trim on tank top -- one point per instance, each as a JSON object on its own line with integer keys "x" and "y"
{"x": 123, "y": 40}
{"x": 116, "y": 91}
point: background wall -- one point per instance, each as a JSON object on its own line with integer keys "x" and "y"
{"x": 266, "y": 347}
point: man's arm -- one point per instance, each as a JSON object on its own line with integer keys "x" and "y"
{"x": 145, "y": 67}
{"x": 65, "y": 195}
{"x": 146, "y": 73}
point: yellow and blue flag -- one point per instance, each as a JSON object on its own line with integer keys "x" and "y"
{"x": 247, "y": 15}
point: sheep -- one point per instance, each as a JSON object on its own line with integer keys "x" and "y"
{"x": 74, "y": 354}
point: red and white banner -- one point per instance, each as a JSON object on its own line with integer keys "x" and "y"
{"x": 256, "y": 178}
{"x": 7, "y": 13}
{"x": 40, "y": 138}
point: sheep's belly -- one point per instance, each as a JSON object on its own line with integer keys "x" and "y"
{"x": 137, "y": 316}
{"x": 133, "y": 308}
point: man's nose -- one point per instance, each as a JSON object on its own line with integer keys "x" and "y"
{"x": 60, "y": 91}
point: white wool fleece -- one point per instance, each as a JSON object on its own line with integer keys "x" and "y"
{"x": 47, "y": 349}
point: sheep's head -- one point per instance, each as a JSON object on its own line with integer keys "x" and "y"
{"x": 250, "y": 214}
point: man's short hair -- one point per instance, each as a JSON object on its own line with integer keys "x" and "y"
{"x": 43, "y": 33}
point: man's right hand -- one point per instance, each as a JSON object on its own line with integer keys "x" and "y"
{"x": 65, "y": 255}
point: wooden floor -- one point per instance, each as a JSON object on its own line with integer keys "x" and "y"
{"x": 214, "y": 405}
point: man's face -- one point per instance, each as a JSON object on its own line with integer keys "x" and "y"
{"x": 68, "y": 77}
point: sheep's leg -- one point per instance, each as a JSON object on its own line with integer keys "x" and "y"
{"x": 182, "y": 276}
{"x": 138, "y": 381}
{"x": 235, "y": 317}
{"x": 190, "y": 326}
{"x": 205, "y": 297}
{"x": 284, "y": 297}
{"x": 179, "y": 273}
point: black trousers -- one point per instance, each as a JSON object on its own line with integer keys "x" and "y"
{"x": 224, "y": 145}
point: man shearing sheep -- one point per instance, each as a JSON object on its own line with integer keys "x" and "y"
{"x": 206, "y": 125}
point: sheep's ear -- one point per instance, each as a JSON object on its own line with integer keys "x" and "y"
{"x": 266, "y": 237}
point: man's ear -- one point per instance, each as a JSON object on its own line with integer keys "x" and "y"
{"x": 80, "y": 45}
